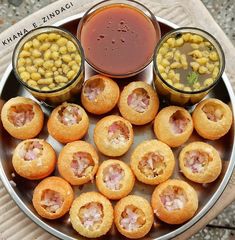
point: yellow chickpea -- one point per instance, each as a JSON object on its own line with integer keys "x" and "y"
{"x": 41, "y": 71}
{"x": 54, "y": 47}
{"x": 28, "y": 45}
{"x": 61, "y": 79}
{"x": 66, "y": 58}
{"x": 32, "y": 83}
{"x": 70, "y": 64}
{"x": 62, "y": 41}
{"x": 48, "y": 74}
{"x": 71, "y": 74}
{"x": 25, "y": 76}
{"x": 163, "y": 50}
{"x": 187, "y": 89}
{"x": 215, "y": 72}
{"x": 42, "y": 37}
{"x": 179, "y": 42}
{"x": 65, "y": 69}
{"x": 195, "y": 66}
{"x": 63, "y": 50}
{"x": 48, "y": 64}
{"x": 186, "y": 37}
{"x": 36, "y": 53}
{"x": 56, "y": 73}
{"x": 171, "y": 74}
{"x": 31, "y": 69}
{"x": 71, "y": 47}
{"x": 52, "y": 86}
{"x": 159, "y": 58}
{"x": 202, "y": 60}
{"x": 78, "y": 59}
{"x": 38, "y": 62}
{"x": 202, "y": 70}
{"x": 175, "y": 65}
{"x": 75, "y": 68}
{"x": 28, "y": 61}
{"x": 213, "y": 56}
{"x": 24, "y": 54}
{"x": 53, "y": 36}
{"x": 171, "y": 42}
{"x": 47, "y": 54}
{"x": 208, "y": 82}
{"x": 169, "y": 55}
{"x": 165, "y": 62}
{"x": 179, "y": 86}
{"x": 55, "y": 55}
{"x": 45, "y": 89}
{"x": 54, "y": 69}
{"x": 21, "y": 69}
{"x": 58, "y": 63}
{"x": 195, "y": 46}
{"x": 164, "y": 75}
{"x": 169, "y": 81}
{"x": 177, "y": 55}
{"x": 21, "y": 62}
{"x": 197, "y": 86}
{"x": 36, "y": 43}
{"x": 161, "y": 69}
{"x": 195, "y": 54}
{"x": 44, "y": 46}
{"x": 35, "y": 76}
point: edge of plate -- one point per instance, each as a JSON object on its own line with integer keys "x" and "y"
{"x": 170, "y": 235}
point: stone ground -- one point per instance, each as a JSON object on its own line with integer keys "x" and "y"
{"x": 223, "y": 226}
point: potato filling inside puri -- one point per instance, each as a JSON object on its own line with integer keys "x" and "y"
{"x": 139, "y": 100}
{"x": 196, "y": 160}
{"x": 178, "y": 122}
{"x": 91, "y": 215}
{"x": 82, "y": 164}
{"x": 113, "y": 176}
{"x": 20, "y": 114}
{"x": 51, "y": 200}
{"x": 132, "y": 218}
{"x": 173, "y": 198}
{"x": 69, "y": 115}
{"x": 94, "y": 88}
{"x": 118, "y": 133}
{"x": 31, "y": 150}
{"x": 152, "y": 164}
{"x": 213, "y": 112}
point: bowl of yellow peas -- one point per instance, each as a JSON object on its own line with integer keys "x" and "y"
{"x": 49, "y": 62}
{"x": 187, "y": 64}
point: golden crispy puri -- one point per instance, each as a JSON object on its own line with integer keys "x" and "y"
{"x": 52, "y": 198}
{"x": 174, "y": 201}
{"x": 200, "y": 162}
{"x": 34, "y": 159}
{"x": 212, "y": 118}
{"x": 68, "y": 122}
{"x": 133, "y": 216}
{"x": 173, "y": 125}
{"x": 113, "y": 135}
{"x": 114, "y": 179}
{"x": 152, "y": 162}
{"x": 22, "y": 118}
{"x": 91, "y": 215}
{"x": 138, "y": 103}
{"x": 100, "y": 94}
{"x": 78, "y": 162}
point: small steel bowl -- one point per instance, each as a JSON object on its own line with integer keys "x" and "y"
{"x": 178, "y": 96}
{"x": 129, "y": 3}
{"x": 57, "y": 96}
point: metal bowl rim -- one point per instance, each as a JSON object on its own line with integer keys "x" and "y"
{"x": 169, "y": 235}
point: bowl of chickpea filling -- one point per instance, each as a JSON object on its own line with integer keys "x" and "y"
{"x": 49, "y": 62}
{"x": 188, "y": 63}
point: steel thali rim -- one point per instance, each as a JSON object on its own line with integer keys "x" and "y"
{"x": 169, "y": 235}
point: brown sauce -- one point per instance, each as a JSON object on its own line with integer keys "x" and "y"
{"x": 118, "y": 39}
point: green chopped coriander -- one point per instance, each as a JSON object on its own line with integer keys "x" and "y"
{"x": 192, "y": 78}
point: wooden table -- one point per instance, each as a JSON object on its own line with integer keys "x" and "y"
{"x": 13, "y": 223}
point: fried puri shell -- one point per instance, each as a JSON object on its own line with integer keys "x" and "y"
{"x": 200, "y": 162}
{"x": 34, "y": 159}
{"x": 53, "y": 188}
{"x": 173, "y": 125}
{"x": 100, "y": 94}
{"x": 174, "y": 201}
{"x": 78, "y": 162}
{"x": 84, "y": 205}
{"x": 114, "y": 179}
{"x": 69, "y": 131}
{"x": 113, "y": 135}
{"x": 133, "y": 216}
{"x": 152, "y": 162}
{"x": 212, "y": 118}
{"x": 138, "y": 103}
{"x": 22, "y": 118}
